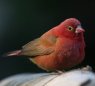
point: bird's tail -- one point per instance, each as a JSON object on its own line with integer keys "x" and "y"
{"x": 13, "y": 53}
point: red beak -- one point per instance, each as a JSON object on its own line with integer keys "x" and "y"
{"x": 79, "y": 29}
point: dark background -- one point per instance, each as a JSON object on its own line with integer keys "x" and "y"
{"x": 25, "y": 20}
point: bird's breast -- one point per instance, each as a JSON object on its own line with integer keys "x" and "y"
{"x": 70, "y": 53}
{"x": 66, "y": 55}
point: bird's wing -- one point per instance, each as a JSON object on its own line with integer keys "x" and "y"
{"x": 39, "y": 46}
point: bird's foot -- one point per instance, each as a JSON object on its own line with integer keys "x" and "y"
{"x": 58, "y": 72}
{"x": 87, "y": 68}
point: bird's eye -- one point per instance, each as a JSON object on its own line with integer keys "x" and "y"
{"x": 70, "y": 28}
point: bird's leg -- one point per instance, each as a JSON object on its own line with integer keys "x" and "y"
{"x": 87, "y": 68}
{"x": 58, "y": 72}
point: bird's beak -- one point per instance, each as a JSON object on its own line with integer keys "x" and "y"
{"x": 79, "y": 29}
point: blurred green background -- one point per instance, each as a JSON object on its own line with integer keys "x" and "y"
{"x": 24, "y": 20}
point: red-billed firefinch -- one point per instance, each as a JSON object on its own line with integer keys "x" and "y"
{"x": 59, "y": 48}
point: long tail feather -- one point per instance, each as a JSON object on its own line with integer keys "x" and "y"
{"x": 13, "y": 53}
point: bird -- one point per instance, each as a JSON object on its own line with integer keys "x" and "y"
{"x": 60, "y": 48}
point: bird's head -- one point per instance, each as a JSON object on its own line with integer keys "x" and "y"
{"x": 70, "y": 28}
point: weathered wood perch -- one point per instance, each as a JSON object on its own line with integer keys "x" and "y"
{"x": 77, "y": 77}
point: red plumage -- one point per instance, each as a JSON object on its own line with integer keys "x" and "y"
{"x": 60, "y": 48}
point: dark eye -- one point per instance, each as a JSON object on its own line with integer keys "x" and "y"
{"x": 70, "y": 28}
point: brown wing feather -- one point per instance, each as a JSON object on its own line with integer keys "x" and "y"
{"x": 39, "y": 46}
